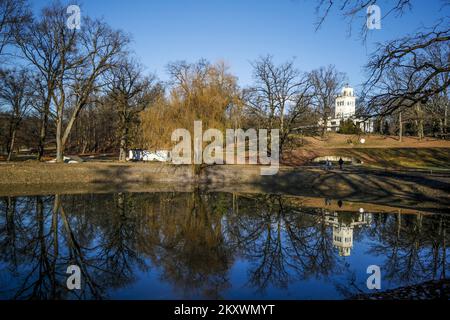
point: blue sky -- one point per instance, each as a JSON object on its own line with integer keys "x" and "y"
{"x": 238, "y": 31}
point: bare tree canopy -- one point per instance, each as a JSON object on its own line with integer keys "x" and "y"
{"x": 326, "y": 83}
{"x": 13, "y": 14}
{"x": 356, "y": 10}
{"x": 406, "y": 71}
{"x": 130, "y": 92}
{"x": 15, "y": 99}
{"x": 72, "y": 64}
{"x": 280, "y": 96}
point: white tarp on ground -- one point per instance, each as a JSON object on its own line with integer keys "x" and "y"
{"x": 144, "y": 155}
{"x": 72, "y": 159}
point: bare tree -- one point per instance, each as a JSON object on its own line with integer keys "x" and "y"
{"x": 261, "y": 98}
{"x": 38, "y": 42}
{"x": 15, "y": 97}
{"x": 279, "y": 95}
{"x": 424, "y": 76}
{"x": 69, "y": 58}
{"x": 326, "y": 83}
{"x": 130, "y": 92}
{"x": 98, "y": 49}
{"x": 356, "y": 10}
{"x": 13, "y": 14}
{"x": 72, "y": 64}
{"x": 438, "y": 104}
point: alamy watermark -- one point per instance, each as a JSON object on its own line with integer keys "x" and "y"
{"x": 74, "y": 280}
{"x": 374, "y": 280}
{"x": 240, "y": 147}
{"x": 373, "y": 17}
{"x": 74, "y": 20}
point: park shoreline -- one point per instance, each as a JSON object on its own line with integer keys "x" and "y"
{"x": 419, "y": 190}
{"x": 33, "y": 172}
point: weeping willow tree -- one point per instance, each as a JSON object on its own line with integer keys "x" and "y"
{"x": 198, "y": 91}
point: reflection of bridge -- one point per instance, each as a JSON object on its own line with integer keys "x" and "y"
{"x": 343, "y": 230}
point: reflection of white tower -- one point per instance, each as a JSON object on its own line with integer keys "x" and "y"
{"x": 343, "y": 239}
{"x": 345, "y": 104}
{"x": 343, "y": 232}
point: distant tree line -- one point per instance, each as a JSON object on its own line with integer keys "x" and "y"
{"x": 83, "y": 91}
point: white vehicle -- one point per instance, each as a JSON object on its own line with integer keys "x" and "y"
{"x": 145, "y": 155}
{"x": 135, "y": 155}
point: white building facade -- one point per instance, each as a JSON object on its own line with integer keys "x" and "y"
{"x": 345, "y": 109}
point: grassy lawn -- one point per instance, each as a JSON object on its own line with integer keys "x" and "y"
{"x": 421, "y": 158}
{"x": 377, "y": 151}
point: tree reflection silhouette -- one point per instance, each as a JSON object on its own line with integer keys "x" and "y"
{"x": 192, "y": 240}
{"x": 192, "y": 250}
{"x": 282, "y": 242}
{"x": 414, "y": 246}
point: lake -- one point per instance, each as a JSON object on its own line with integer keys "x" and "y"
{"x": 200, "y": 245}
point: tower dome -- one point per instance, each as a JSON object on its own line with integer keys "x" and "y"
{"x": 347, "y": 91}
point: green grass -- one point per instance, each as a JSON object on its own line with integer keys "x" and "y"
{"x": 420, "y": 158}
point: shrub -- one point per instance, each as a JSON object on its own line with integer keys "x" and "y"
{"x": 348, "y": 127}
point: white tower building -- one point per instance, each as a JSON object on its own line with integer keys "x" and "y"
{"x": 345, "y": 109}
{"x": 345, "y": 104}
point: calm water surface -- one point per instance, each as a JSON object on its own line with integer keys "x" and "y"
{"x": 209, "y": 246}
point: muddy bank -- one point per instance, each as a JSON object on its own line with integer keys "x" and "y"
{"x": 428, "y": 192}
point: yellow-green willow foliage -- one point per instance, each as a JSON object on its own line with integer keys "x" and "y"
{"x": 199, "y": 91}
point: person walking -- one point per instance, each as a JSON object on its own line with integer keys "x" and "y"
{"x": 341, "y": 163}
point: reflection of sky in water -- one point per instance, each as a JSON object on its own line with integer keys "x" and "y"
{"x": 195, "y": 246}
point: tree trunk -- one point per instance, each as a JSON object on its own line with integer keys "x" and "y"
{"x": 441, "y": 127}
{"x": 445, "y": 116}
{"x": 44, "y": 126}
{"x": 10, "y": 219}
{"x": 123, "y": 144}
{"x": 62, "y": 136}
{"x": 59, "y": 142}
{"x": 42, "y": 136}
{"x": 325, "y": 123}
{"x": 84, "y": 147}
{"x": 11, "y": 144}
{"x": 421, "y": 133}
{"x": 400, "y": 125}
{"x": 419, "y": 121}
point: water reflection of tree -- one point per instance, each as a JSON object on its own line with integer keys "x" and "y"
{"x": 110, "y": 237}
{"x": 283, "y": 242}
{"x": 56, "y": 232}
{"x": 414, "y": 246}
{"x": 193, "y": 239}
{"x": 191, "y": 249}
{"x": 28, "y": 237}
